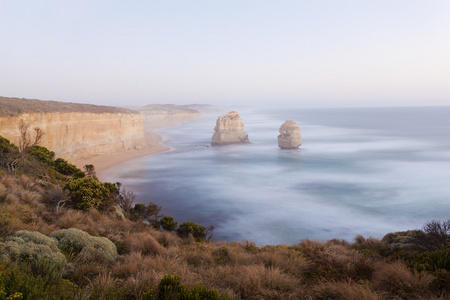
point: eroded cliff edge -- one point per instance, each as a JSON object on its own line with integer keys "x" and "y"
{"x": 74, "y": 131}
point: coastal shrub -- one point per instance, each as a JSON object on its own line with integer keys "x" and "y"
{"x": 17, "y": 281}
{"x": 399, "y": 241}
{"x": 116, "y": 212}
{"x": 40, "y": 251}
{"x": 197, "y": 231}
{"x": 9, "y": 155}
{"x": 432, "y": 261}
{"x": 42, "y": 154}
{"x": 112, "y": 200}
{"x": 168, "y": 224}
{"x": 6, "y": 146}
{"x": 63, "y": 167}
{"x": 435, "y": 235}
{"x": 87, "y": 192}
{"x": 113, "y": 188}
{"x": 84, "y": 247}
{"x": 370, "y": 247}
{"x": 150, "y": 213}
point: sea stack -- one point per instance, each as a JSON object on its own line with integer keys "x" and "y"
{"x": 229, "y": 130}
{"x": 289, "y": 137}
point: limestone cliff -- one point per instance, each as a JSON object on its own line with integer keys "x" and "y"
{"x": 289, "y": 137}
{"x": 229, "y": 130}
{"x": 77, "y": 132}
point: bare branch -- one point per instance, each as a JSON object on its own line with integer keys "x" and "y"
{"x": 39, "y": 134}
{"x": 25, "y": 139}
{"x": 26, "y": 142}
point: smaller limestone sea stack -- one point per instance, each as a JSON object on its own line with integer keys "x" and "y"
{"x": 289, "y": 137}
{"x": 229, "y": 130}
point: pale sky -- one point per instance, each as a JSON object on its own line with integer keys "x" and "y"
{"x": 316, "y": 53}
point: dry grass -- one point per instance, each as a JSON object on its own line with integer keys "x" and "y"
{"x": 289, "y": 261}
{"x": 309, "y": 270}
{"x": 255, "y": 281}
{"x": 396, "y": 280}
{"x": 12, "y": 199}
{"x": 17, "y": 106}
{"x": 138, "y": 283}
{"x": 166, "y": 239}
{"x": 3, "y": 192}
{"x": 342, "y": 290}
{"x": 197, "y": 256}
{"x": 142, "y": 242}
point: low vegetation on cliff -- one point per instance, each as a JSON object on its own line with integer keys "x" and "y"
{"x": 18, "y": 106}
{"x": 66, "y": 235}
{"x": 166, "y": 109}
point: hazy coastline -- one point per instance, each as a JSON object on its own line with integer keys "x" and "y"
{"x": 359, "y": 171}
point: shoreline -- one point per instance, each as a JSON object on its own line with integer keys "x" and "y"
{"x": 106, "y": 161}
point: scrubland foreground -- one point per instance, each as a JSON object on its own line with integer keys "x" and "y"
{"x": 66, "y": 235}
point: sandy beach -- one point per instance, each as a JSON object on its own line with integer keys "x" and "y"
{"x": 105, "y": 161}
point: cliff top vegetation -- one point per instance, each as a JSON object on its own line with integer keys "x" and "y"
{"x": 18, "y": 106}
{"x": 154, "y": 109}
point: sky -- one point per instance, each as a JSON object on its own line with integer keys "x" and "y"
{"x": 321, "y": 53}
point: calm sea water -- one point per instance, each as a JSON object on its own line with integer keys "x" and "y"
{"x": 365, "y": 171}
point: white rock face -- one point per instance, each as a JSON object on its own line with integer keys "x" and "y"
{"x": 74, "y": 136}
{"x": 229, "y": 130}
{"x": 289, "y": 137}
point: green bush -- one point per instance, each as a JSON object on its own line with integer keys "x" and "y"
{"x": 63, "y": 167}
{"x": 113, "y": 188}
{"x": 17, "y": 281}
{"x": 432, "y": 261}
{"x": 7, "y": 147}
{"x": 167, "y": 223}
{"x": 43, "y": 154}
{"x": 85, "y": 247}
{"x": 146, "y": 212}
{"x": 87, "y": 192}
{"x": 400, "y": 240}
{"x": 40, "y": 251}
{"x": 198, "y": 231}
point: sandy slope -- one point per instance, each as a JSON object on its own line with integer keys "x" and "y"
{"x": 105, "y": 161}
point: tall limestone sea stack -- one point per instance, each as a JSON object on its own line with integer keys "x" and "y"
{"x": 229, "y": 130}
{"x": 289, "y": 137}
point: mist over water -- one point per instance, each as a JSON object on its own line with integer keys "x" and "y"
{"x": 365, "y": 171}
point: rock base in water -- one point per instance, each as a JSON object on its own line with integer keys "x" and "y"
{"x": 229, "y": 130}
{"x": 289, "y": 137}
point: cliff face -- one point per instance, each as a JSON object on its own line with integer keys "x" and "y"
{"x": 76, "y": 135}
{"x": 229, "y": 130}
{"x": 289, "y": 137}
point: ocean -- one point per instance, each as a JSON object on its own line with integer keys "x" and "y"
{"x": 359, "y": 171}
